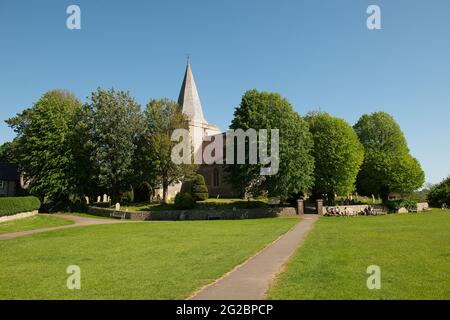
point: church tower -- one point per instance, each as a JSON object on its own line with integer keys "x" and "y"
{"x": 199, "y": 128}
{"x": 189, "y": 100}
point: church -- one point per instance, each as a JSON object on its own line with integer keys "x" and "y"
{"x": 201, "y": 132}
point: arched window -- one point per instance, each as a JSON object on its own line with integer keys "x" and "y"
{"x": 216, "y": 178}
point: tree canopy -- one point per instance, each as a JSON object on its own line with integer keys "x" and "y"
{"x": 162, "y": 117}
{"x": 440, "y": 193}
{"x": 338, "y": 155}
{"x": 7, "y": 153}
{"x": 45, "y": 145}
{"x": 114, "y": 122}
{"x": 388, "y": 166}
{"x": 264, "y": 110}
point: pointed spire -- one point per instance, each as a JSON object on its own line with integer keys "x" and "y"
{"x": 189, "y": 99}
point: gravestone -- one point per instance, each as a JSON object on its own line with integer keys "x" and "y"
{"x": 105, "y": 198}
{"x": 117, "y": 206}
{"x": 87, "y": 200}
{"x": 99, "y": 199}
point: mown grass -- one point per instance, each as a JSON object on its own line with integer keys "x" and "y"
{"x": 31, "y": 223}
{"x": 88, "y": 215}
{"x": 412, "y": 250}
{"x": 146, "y": 260}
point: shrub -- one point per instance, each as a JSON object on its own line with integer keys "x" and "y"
{"x": 394, "y": 205}
{"x": 12, "y": 205}
{"x": 184, "y": 200}
{"x": 199, "y": 189}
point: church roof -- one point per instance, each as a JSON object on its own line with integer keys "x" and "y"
{"x": 189, "y": 99}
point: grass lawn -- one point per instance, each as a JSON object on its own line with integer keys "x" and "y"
{"x": 88, "y": 215}
{"x": 35, "y": 222}
{"x": 412, "y": 250}
{"x": 144, "y": 260}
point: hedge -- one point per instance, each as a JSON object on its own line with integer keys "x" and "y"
{"x": 13, "y": 205}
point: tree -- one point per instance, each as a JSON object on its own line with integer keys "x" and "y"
{"x": 199, "y": 189}
{"x": 338, "y": 155}
{"x": 440, "y": 193}
{"x": 7, "y": 153}
{"x": 114, "y": 123}
{"x": 162, "y": 117}
{"x": 264, "y": 110}
{"x": 45, "y": 145}
{"x": 388, "y": 166}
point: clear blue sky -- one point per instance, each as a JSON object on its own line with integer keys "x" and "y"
{"x": 318, "y": 54}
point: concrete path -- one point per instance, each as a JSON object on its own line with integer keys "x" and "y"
{"x": 252, "y": 279}
{"x": 78, "y": 222}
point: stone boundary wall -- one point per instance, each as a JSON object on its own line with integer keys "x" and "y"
{"x": 18, "y": 216}
{"x": 216, "y": 214}
{"x": 421, "y": 206}
{"x": 356, "y": 208}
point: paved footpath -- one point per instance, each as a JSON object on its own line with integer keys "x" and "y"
{"x": 78, "y": 222}
{"x": 252, "y": 279}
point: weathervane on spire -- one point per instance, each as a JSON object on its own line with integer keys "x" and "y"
{"x": 188, "y": 56}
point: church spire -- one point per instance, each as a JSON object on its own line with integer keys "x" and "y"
{"x": 189, "y": 99}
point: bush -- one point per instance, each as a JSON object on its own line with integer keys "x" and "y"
{"x": 184, "y": 200}
{"x": 199, "y": 189}
{"x": 394, "y": 205}
{"x": 12, "y": 205}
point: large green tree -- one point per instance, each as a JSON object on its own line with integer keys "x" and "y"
{"x": 162, "y": 117}
{"x": 264, "y": 110}
{"x": 440, "y": 193}
{"x": 114, "y": 122}
{"x": 338, "y": 155}
{"x": 388, "y": 166}
{"x": 46, "y": 145}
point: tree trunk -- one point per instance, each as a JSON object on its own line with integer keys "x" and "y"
{"x": 115, "y": 194}
{"x": 384, "y": 194}
{"x": 165, "y": 192}
{"x": 331, "y": 197}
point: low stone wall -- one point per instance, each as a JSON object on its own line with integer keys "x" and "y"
{"x": 217, "y": 214}
{"x": 356, "y": 208}
{"x": 19, "y": 216}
